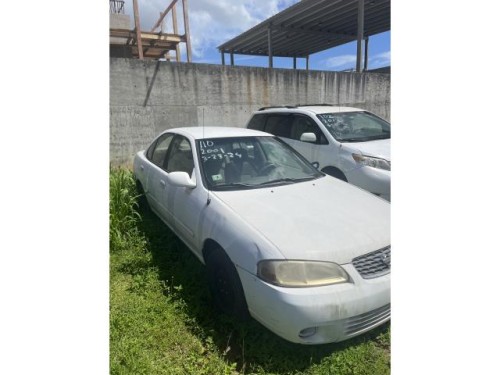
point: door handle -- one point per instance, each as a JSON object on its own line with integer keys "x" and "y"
{"x": 162, "y": 183}
{"x": 142, "y": 167}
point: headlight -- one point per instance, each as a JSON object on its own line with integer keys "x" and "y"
{"x": 372, "y": 162}
{"x": 301, "y": 273}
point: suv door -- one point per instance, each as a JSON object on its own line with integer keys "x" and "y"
{"x": 317, "y": 153}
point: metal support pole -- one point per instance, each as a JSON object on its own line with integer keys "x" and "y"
{"x": 294, "y": 62}
{"x": 186, "y": 29}
{"x": 232, "y": 58}
{"x": 270, "y": 46}
{"x": 361, "y": 23}
{"x": 223, "y": 58}
{"x": 366, "y": 55}
{"x": 138, "y": 36}
{"x": 307, "y": 62}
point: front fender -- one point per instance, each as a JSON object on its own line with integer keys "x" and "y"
{"x": 244, "y": 245}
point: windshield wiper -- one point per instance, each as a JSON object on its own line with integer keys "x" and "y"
{"x": 287, "y": 179}
{"x": 365, "y": 139}
{"x": 382, "y": 136}
{"x": 232, "y": 185}
{"x": 360, "y": 139}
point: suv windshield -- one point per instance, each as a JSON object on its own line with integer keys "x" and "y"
{"x": 251, "y": 162}
{"x": 355, "y": 126}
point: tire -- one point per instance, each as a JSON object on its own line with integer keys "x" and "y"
{"x": 335, "y": 172}
{"x": 225, "y": 285}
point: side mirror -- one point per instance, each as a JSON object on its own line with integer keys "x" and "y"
{"x": 308, "y": 137}
{"x": 181, "y": 179}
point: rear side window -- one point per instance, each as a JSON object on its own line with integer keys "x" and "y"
{"x": 257, "y": 122}
{"x": 279, "y": 125}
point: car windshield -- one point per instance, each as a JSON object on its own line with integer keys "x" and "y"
{"x": 355, "y": 126}
{"x": 251, "y": 162}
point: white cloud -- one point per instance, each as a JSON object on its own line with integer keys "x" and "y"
{"x": 340, "y": 61}
{"x": 379, "y": 60}
{"x": 349, "y": 61}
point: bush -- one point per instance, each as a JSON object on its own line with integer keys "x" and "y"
{"x": 123, "y": 215}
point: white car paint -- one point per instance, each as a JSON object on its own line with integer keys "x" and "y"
{"x": 324, "y": 219}
{"x": 339, "y": 154}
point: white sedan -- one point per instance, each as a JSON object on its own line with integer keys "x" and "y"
{"x": 305, "y": 254}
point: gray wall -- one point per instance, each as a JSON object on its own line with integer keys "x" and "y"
{"x": 147, "y": 97}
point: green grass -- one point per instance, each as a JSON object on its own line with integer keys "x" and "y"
{"x": 162, "y": 320}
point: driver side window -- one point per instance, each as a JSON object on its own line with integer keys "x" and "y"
{"x": 303, "y": 124}
{"x": 180, "y": 158}
{"x": 159, "y": 150}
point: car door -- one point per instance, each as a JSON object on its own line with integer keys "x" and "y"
{"x": 156, "y": 178}
{"x": 184, "y": 204}
{"x": 317, "y": 153}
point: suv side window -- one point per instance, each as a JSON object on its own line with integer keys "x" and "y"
{"x": 257, "y": 122}
{"x": 180, "y": 158}
{"x": 303, "y": 124}
{"x": 279, "y": 125}
{"x": 157, "y": 152}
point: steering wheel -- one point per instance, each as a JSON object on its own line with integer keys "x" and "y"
{"x": 266, "y": 168}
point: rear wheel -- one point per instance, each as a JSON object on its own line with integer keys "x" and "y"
{"x": 225, "y": 285}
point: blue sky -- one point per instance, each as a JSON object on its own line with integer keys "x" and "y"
{"x": 213, "y": 22}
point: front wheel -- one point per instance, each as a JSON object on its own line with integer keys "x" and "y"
{"x": 225, "y": 285}
{"x": 335, "y": 172}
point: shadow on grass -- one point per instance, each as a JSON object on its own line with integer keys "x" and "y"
{"x": 249, "y": 344}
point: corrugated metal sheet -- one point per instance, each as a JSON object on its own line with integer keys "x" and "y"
{"x": 311, "y": 26}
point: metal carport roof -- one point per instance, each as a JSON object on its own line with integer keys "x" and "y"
{"x": 311, "y": 26}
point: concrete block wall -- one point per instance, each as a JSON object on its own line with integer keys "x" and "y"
{"x": 147, "y": 97}
{"x": 119, "y": 21}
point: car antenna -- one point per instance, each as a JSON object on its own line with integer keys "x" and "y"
{"x": 203, "y": 131}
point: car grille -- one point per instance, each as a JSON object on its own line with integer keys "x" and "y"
{"x": 370, "y": 319}
{"x": 374, "y": 264}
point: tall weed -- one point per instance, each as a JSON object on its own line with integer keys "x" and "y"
{"x": 123, "y": 215}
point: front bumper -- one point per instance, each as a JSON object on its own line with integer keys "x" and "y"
{"x": 376, "y": 181}
{"x": 331, "y": 313}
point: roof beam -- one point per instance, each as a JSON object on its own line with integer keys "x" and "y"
{"x": 147, "y": 36}
{"x": 300, "y": 30}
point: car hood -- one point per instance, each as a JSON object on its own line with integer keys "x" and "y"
{"x": 325, "y": 219}
{"x": 380, "y": 148}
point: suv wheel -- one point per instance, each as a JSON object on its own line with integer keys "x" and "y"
{"x": 335, "y": 172}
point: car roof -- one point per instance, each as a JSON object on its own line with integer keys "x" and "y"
{"x": 199, "y": 132}
{"x": 316, "y": 109}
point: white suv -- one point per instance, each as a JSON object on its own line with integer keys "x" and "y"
{"x": 348, "y": 143}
